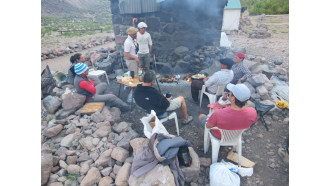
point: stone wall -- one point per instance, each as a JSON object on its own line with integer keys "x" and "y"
{"x": 176, "y": 24}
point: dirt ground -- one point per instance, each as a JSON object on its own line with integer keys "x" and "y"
{"x": 259, "y": 145}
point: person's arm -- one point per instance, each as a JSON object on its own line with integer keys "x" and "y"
{"x": 129, "y": 56}
{"x": 150, "y": 44}
{"x": 208, "y": 125}
{"x": 212, "y": 120}
{"x": 160, "y": 100}
{"x": 135, "y": 20}
{"x": 210, "y": 81}
{"x": 87, "y": 86}
{"x": 247, "y": 73}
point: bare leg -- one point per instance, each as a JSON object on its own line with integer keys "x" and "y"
{"x": 200, "y": 117}
{"x": 183, "y": 107}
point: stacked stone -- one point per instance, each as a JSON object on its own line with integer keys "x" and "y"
{"x": 52, "y": 53}
{"x": 94, "y": 149}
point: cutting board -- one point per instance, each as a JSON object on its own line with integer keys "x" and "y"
{"x": 90, "y": 108}
{"x": 233, "y": 156}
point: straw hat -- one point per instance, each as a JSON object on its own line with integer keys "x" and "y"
{"x": 131, "y": 30}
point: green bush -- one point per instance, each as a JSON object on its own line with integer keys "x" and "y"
{"x": 256, "y": 7}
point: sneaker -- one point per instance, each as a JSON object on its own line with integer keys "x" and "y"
{"x": 186, "y": 122}
{"x": 284, "y": 155}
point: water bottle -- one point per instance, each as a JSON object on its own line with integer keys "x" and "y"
{"x": 140, "y": 71}
{"x": 168, "y": 94}
{"x": 236, "y": 170}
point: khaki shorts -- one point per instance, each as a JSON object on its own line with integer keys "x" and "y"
{"x": 174, "y": 104}
{"x": 132, "y": 65}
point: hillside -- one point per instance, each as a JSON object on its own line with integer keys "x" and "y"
{"x": 69, "y": 8}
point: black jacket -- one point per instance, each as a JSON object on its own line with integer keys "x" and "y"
{"x": 150, "y": 99}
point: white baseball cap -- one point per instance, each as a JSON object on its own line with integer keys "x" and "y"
{"x": 240, "y": 91}
{"x": 142, "y": 25}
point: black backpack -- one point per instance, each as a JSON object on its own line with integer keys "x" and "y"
{"x": 184, "y": 156}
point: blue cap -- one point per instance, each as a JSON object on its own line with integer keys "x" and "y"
{"x": 80, "y": 68}
{"x": 240, "y": 91}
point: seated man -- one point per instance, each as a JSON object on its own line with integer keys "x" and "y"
{"x": 241, "y": 71}
{"x": 94, "y": 93}
{"x": 222, "y": 77}
{"x": 235, "y": 117}
{"x": 149, "y": 98}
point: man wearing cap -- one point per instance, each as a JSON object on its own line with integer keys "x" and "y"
{"x": 132, "y": 60}
{"x": 94, "y": 93}
{"x": 149, "y": 99}
{"x": 145, "y": 46}
{"x": 235, "y": 117}
{"x": 241, "y": 71}
{"x": 222, "y": 77}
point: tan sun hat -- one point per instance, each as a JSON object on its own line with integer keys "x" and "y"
{"x": 131, "y": 30}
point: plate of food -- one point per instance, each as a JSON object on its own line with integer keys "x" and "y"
{"x": 198, "y": 76}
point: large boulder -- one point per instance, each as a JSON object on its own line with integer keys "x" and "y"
{"x": 87, "y": 142}
{"x": 138, "y": 144}
{"x": 51, "y": 103}
{"x": 191, "y": 173}
{"x": 53, "y": 131}
{"x": 258, "y": 79}
{"x": 119, "y": 154}
{"x": 123, "y": 174}
{"x": 73, "y": 100}
{"x": 251, "y": 64}
{"x": 181, "y": 51}
{"x": 97, "y": 117}
{"x": 93, "y": 176}
{"x": 46, "y": 165}
{"x": 104, "y": 158}
{"x": 63, "y": 113}
{"x": 160, "y": 175}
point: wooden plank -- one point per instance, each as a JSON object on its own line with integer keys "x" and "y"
{"x": 233, "y": 156}
{"x": 90, "y": 108}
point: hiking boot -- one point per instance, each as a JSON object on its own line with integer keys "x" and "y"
{"x": 186, "y": 122}
{"x": 284, "y": 155}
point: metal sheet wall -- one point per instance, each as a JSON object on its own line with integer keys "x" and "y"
{"x": 137, "y": 6}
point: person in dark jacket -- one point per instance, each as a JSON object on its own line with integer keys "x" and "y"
{"x": 149, "y": 98}
{"x": 77, "y": 58}
{"x": 94, "y": 93}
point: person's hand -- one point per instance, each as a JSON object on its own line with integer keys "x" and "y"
{"x": 169, "y": 99}
{"x": 137, "y": 60}
{"x": 135, "y": 20}
{"x": 206, "y": 78}
{"x": 240, "y": 81}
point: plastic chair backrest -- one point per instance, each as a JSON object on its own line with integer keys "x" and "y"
{"x": 229, "y": 136}
{"x": 220, "y": 90}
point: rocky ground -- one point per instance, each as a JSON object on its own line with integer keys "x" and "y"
{"x": 259, "y": 145}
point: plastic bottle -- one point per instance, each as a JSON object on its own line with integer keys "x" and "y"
{"x": 140, "y": 71}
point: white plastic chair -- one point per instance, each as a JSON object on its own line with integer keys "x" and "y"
{"x": 169, "y": 117}
{"x": 98, "y": 73}
{"x": 212, "y": 97}
{"x": 228, "y": 138}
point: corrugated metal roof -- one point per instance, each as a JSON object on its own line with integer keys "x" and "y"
{"x": 233, "y": 4}
{"x": 137, "y": 6}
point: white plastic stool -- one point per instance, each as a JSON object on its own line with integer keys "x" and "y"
{"x": 98, "y": 73}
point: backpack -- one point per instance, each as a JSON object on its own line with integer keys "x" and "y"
{"x": 184, "y": 156}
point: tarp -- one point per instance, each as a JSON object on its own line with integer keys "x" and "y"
{"x": 280, "y": 89}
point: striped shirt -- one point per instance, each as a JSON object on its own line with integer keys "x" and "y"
{"x": 240, "y": 71}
